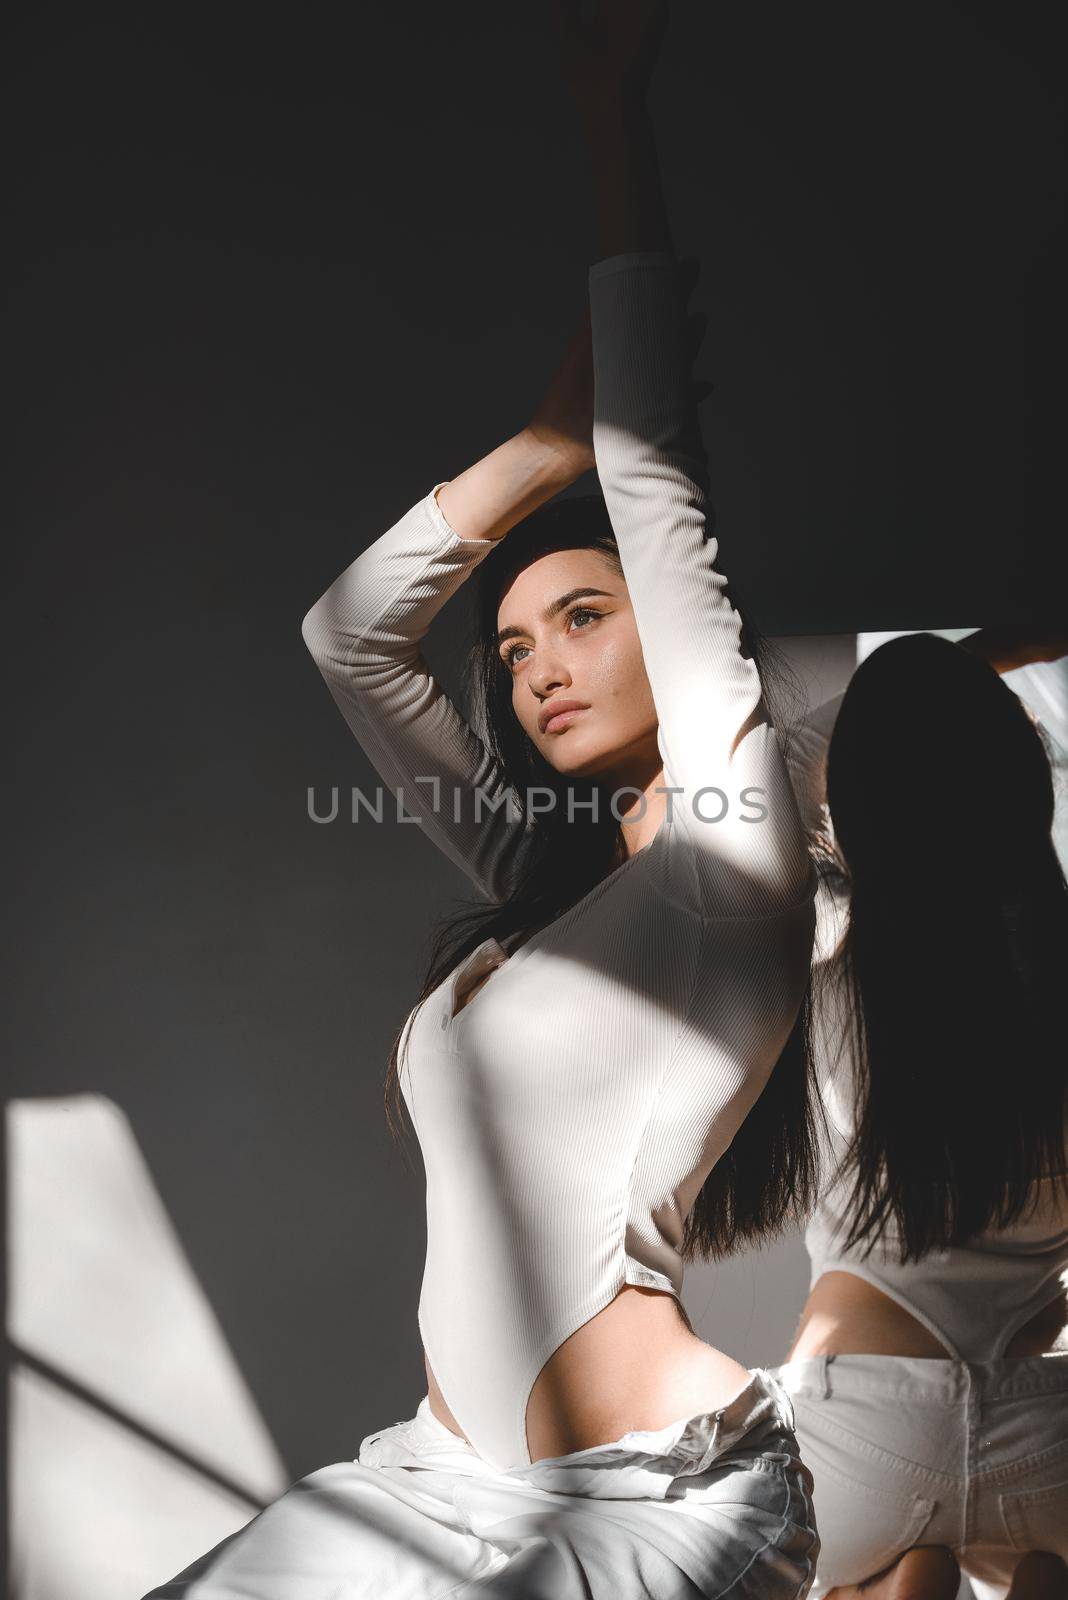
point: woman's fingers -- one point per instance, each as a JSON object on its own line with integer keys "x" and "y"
{"x": 608, "y": 47}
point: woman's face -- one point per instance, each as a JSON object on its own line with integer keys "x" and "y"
{"x": 585, "y": 649}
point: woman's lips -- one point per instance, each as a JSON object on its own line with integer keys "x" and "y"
{"x": 563, "y": 719}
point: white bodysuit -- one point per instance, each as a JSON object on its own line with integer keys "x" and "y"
{"x": 570, "y": 1112}
{"x": 972, "y": 1297}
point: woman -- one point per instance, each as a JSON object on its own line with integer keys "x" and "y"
{"x": 930, "y": 1369}
{"x": 577, "y": 1075}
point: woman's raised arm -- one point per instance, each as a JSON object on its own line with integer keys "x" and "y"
{"x": 364, "y": 634}
{"x": 732, "y": 809}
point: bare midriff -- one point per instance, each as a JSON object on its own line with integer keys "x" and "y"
{"x": 636, "y": 1364}
{"x": 846, "y": 1315}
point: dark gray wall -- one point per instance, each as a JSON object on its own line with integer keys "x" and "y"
{"x": 268, "y": 286}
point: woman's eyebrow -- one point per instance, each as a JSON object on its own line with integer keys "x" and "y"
{"x": 554, "y": 607}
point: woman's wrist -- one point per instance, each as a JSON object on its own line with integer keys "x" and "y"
{"x": 613, "y": 118}
{"x": 629, "y": 194}
{"x": 560, "y": 458}
{"x": 487, "y": 499}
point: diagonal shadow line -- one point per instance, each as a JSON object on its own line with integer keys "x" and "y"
{"x": 63, "y": 1380}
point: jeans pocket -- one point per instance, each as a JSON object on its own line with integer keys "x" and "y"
{"x": 866, "y": 1513}
{"x": 1037, "y": 1519}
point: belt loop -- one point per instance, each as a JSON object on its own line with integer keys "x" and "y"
{"x": 824, "y": 1375}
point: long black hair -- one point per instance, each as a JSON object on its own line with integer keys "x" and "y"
{"x": 767, "y": 1176}
{"x": 955, "y": 951}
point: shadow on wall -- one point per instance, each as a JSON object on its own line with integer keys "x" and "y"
{"x": 136, "y": 1443}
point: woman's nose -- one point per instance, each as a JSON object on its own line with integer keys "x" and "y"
{"x": 550, "y": 671}
{"x": 548, "y": 683}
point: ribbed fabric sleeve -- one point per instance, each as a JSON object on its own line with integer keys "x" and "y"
{"x": 807, "y": 764}
{"x": 713, "y": 731}
{"x": 364, "y": 635}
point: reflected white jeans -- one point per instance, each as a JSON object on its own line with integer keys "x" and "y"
{"x": 712, "y": 1505}
{"x": 908, "y": 1450}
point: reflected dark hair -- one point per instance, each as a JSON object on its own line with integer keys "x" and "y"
{"x": 954, "y": 957}
{"x": 767, "y": 1177}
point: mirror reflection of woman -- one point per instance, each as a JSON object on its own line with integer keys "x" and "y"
{"x": 929, "y": 1371}
{"x": 605, "y": 1068}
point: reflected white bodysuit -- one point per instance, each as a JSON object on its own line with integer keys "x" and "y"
{"x": 570, "y": 1112}
{"x": 972, "y": 1297}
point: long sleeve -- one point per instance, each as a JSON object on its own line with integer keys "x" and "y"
{"x": 364, "y": 635}
{"x": 707, "y": 694}
{"x": 808, "y": 773}
{"x": 808, "y": 768}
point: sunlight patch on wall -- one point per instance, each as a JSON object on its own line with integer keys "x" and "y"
{"x": 136, "y": 1442}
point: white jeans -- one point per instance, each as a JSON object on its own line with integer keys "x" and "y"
{"x": 908, "y": 1450}
{"x": 710, "y": 1504}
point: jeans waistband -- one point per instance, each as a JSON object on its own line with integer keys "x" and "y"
{"x": 760, "y": 1408}
{"x": 641, "y": 1464}
{"x": 924, "y": 1377}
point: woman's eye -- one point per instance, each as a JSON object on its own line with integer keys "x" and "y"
{"x": 508, "y": 656}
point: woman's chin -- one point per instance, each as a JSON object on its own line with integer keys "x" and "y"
{"x": 575, "y": 763}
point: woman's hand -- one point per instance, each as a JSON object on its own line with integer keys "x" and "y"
{"x": 607, "y": 59}
{"x": 563, "y": 419}
{"x": 606, "y": 63}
